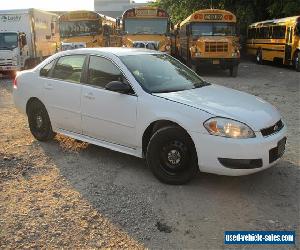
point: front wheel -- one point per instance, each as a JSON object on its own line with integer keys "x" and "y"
{"x": 233, "y": 70}
{"x": 171, "y": 156}
{"x": 259, "y": 58}
{"x": 39, "y": 122}
{"x": 297, "y": 61}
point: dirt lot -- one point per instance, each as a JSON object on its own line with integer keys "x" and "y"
{"x": 67, "y": 194}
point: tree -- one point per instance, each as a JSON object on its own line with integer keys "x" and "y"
{"x": 246, "y": 11}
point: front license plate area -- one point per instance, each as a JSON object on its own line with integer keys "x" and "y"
{"x": 276, "y": 153}
{"x": 216, "y": 61}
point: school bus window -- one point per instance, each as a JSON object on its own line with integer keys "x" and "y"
{"x": 146, "y": 26}
{"x": 213, "y": 29}
{"x": 278, "y": 32}
{"x": 79, "y": 28}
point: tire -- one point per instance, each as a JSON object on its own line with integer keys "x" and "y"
{"x": 297, "y": 61}
{"x": 39, "y": 122}
{"x": 233, "y": 70}
{"x": 259, "y": 58}
{"x": 171, "y": 156}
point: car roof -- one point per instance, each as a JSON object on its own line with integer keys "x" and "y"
{"x": 117, "y": 51}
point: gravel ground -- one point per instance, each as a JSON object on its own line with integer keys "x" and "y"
{"x": 69, "y": 194}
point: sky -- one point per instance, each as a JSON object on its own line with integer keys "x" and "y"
{"x": 51, "y": 4}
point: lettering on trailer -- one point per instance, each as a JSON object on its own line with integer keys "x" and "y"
{"x": 213, "y": 17}
{"x": 145, "y": 12}
{"x": 10, "y": 18}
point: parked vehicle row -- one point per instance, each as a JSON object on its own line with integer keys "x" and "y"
{"x": 205, "y": 37}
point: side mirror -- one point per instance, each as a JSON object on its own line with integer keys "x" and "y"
{"x": 23, "y": 40}
{"x": 119, "y": 87}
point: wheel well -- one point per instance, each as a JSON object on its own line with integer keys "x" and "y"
{"x": 153, "y": 127}
{"x": 30, "y": 101}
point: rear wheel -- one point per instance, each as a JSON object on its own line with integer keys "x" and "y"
{"x": 171, "y": 156}
{"x": 39, "y": 122}
{"x": 259, "y": 58}
{"x": 297, "y": 61}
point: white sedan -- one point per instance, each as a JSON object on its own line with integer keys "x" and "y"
{"x": 148, "y": 104}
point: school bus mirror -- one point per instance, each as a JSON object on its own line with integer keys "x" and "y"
{"x": 118, "y": 21}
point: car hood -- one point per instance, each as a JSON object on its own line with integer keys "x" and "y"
{"x": 229, "y": 103}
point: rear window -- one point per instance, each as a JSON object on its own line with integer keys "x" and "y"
{"x": 69, "y": 68}
{"x": 45, "y": 71}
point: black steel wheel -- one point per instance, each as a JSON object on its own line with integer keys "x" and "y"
{"x": 39, "y": 122}
{"x": 171, "y": 155}
{"x": 259, "y": 59}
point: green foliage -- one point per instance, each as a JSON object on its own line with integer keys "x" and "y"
{"x": 247, "y": 11}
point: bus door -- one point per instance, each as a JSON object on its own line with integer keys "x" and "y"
{"x": 288, "y": 45}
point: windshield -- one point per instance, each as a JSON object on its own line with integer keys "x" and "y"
{"x": 213, "y": 29}
{"x": 146, "y": 26}
{"x": 161, "y": 73}
{"x": 8, "y": 40}
{"x": 79, "y": 28}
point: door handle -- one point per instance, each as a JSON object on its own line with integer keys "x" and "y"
{"x": 89, "y": 96}
{"x": 48, "y": 86}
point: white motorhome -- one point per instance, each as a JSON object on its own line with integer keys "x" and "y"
{"x": 26, "y": 38}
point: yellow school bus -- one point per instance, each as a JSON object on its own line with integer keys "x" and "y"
{"x": 277, "y": 39}
{"x": 146, "y": 27}
{"x": 85, "y": 29}
{"x": 209, "y": 37}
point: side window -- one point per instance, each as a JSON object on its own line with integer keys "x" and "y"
{"x": 69, "y": 68}
{"x": 45, "y": 71}
{"x": 102, "y": 71}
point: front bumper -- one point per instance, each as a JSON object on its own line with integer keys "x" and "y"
{"x": 210, "y": 149}
{"x": 227, "y": 62}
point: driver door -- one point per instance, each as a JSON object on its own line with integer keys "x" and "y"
{"x": 106, "y": 115}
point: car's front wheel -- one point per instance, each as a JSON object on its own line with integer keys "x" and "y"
{"x": 171, "y": 155}
{"x": 39, "y": 122}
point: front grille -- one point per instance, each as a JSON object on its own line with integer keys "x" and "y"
{"x": 273, "y": 129}
{"x": 216, "y": 47}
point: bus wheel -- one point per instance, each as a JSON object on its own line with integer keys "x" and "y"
{"x": 233, "y": 70}
{"x": 297, "y": 61}
{"x": 259, "y": 57}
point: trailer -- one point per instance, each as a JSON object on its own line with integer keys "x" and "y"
{"x": 26, "y": 38}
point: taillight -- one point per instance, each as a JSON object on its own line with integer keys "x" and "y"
{"x": 15, "y": 83}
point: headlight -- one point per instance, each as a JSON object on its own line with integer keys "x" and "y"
{"x": 168, "y": 47}
{"x": 228, "y": 128}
